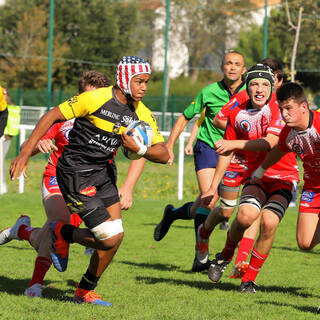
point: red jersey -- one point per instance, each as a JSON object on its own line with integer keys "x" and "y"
{"x": 246, "y": 123}
{"x": 60, "y": 133}
{"x": 306, "y": 145}
{"x": 239, "y": 99}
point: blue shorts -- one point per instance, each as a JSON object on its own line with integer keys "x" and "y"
{"x": 204, "y": 156}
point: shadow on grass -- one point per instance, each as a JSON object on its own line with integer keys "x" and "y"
{"x": 295, "y": 250}
{"x": 18, "y": 248}
{"x": 207, "y": 285}
{"x": 172, "y": 226}
{"x": 17, "y": 287}
{"x": 309, "y": 309}
{"x": 202, "y": 285}
{"x": 156, "y": 266}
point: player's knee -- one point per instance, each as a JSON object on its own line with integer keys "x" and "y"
{"x": 245, "y": 217}
{"x": 304, "y": 244}
{"x": 227, "y": 206}
{"x": 111, "y": 243}
{"x": 226, "y": 213}
{"x": 268, "y": 226}
{"x": 109, "y": 234}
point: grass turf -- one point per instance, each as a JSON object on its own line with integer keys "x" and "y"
{"x": 152, "y": 280}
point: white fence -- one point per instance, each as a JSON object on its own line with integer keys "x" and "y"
{"x": 23, "y": 133}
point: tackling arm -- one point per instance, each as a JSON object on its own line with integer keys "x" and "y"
{"x": 262, "y": 144}
{"x": 19, "y": 164}
{"x": 222, "y": 165}
{"x": 220, "y": 124}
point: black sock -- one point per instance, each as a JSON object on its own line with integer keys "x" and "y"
{"x": 88, "y": 281}
{"x": 182, "y": 213}
{"x": 66, "y": 232}
{"x": 199, "y": 219}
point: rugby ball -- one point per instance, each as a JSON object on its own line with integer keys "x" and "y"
{"x": 142, "y": 133}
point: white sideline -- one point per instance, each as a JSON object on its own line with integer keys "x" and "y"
{"x": 183, "y": 135}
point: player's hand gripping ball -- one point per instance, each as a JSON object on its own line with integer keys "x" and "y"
{"x": 142, "y": 134}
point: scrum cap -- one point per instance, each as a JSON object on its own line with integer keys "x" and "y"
{"x": 128, "y": 67}
{"x": 260, "y": 71}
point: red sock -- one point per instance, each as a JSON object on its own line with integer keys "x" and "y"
{"x": 204, "y": 233}
{"x": 229, "y": 248}
{"x": 75, "y": 220}
{"x": 244, "y": 249}
{"x": 24, "y": 232}
{"x": 256, "y": 262}
{"x": 41, "y": 267}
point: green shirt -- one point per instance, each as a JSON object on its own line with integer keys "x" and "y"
{"x": 213, "y": 98}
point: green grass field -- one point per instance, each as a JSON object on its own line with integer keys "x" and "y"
{"x": 152, "y": 280}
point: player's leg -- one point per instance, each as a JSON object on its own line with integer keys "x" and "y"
{"x": 205, "y": 160}
{"x": 308, "y": 224}
{"x": 228, "y": 201}
{"x": 101, "y": 213}
{"x": 273, "y": 212}
{"x": 244, "y": 249}
{"x": 56, "y": 209}
{"x": 252, "y": 198}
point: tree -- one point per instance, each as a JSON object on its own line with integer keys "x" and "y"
{"x": 97, "y": 32}
{"x": 281, "y": 41}
{"x": 208, "y": 25}
{"x": 24, "y": 63}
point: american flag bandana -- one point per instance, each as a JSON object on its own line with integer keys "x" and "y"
{"x": 128, "y": 67}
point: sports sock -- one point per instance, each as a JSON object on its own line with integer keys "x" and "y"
{"x": 88, "y": 281}
{"x": 229, "y": 248}
{"x": 256, "y": 262}
{"x": 182, "y": 213}
{"x": 41, "y": 267}
{"x": 244, "y": 249}
{"x": 75, "y": 220}
{"x": 24, "y": 232}
{"x": 198, "y": 220}
{"x": 66, "y": 232}
{"x": 203, "y": 232}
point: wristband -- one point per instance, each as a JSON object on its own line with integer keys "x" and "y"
{"x": 143, "y": 150}
{"x": 259, "y": 173}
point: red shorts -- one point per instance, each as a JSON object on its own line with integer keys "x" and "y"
{"x": 271, "y": 185}
{"x": 310, "y": 201}
{"x": 234, "y": 178}
{"x": 49, "y": 186}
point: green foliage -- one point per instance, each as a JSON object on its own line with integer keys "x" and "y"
{"x": 99, "y": 30}
{"x": 281, "y": 39}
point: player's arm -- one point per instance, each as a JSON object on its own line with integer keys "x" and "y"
{"x": 222, "y": 165}
{"x": 125, "y": 192}
{"x": 19, "y": 164}
{"x": 174, "y": 135}
{"x": 193, "y": 135}
{"x": 43, "y": 146}
{"x": 262, "y": 144}
{"x": 273, "y": 157}
{"x": 219, "y": 123}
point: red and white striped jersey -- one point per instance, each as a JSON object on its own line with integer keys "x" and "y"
{"x": 60, "y": 133}
{"x": 306, "y": 145}
{"x": 246, "y": 123}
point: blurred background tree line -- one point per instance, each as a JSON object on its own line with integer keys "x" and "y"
{"x": 95, "y": 34}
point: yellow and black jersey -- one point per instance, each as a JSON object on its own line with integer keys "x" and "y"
{"x": 100, "y": 121}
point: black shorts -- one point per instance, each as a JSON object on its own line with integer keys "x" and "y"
{"x": 85, "y": 190}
